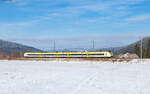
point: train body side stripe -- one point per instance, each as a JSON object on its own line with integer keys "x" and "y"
{"x": 87, "y": 54}
{"x": 40, "y": 55}
{"x": 68, "y": 54}
{"x": 57, "y": 55}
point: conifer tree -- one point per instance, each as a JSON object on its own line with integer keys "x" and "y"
{"x": 147, "y": 51}
{"x": 137, "y": 50}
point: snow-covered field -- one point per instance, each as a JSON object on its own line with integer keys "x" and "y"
{"x": 46, "y": 77}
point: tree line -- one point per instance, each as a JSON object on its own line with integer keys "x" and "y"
{"x": 145, "y": 50}
{"x": 11, "y": 54}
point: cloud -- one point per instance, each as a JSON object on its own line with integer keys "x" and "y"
{"x": 21, "y": 3}
{"x": 76, "y": 8}
{"x": 138, "y": 18}
{"x": 7, "y": 0}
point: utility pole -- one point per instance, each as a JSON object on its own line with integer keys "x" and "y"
{"x": 54, "y": 46}
{"x": 141, "y": 49}
{"x": 93, "y": 45}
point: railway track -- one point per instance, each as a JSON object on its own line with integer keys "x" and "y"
{"x": 71, "y": 59}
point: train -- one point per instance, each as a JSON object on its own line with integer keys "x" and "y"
{"x": 96, "y": 54}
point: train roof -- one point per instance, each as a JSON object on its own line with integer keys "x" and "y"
{"x": 68, "y": 52}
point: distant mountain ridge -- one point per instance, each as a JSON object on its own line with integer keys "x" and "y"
{"x": 126, "y": 49}
{"x": 112, "y": 49}
{"x": 130, "y": 48}
{"x": 8, "y": 47}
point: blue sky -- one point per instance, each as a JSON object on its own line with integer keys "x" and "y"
{"x": 74, "y": 23}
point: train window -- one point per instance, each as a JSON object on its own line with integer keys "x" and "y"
{"x": 97, "y": 54}
{"x": 77, "y": 54}
{"x": 33, "y": 54}
{"x": 47, "y": 54}
{"x": 40, "y": 54}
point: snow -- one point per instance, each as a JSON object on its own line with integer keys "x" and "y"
{"x": 76, "y": 77}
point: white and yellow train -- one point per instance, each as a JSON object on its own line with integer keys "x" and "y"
{"x": 68, "y": 54}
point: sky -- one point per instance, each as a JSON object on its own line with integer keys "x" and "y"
{"x": 74, "y": 23}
